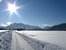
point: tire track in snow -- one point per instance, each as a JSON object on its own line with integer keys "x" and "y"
{"x": 18, "y": 43}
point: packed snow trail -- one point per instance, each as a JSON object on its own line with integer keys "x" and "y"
{"x": 18, "y": 43}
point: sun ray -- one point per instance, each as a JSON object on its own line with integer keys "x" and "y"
{"x": 12, "y": 8}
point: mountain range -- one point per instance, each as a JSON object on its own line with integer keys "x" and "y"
{"x": 21, "y": 26}
{"x": 58, "y": 27}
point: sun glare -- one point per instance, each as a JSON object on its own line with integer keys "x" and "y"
{"x": 12, "y": 8}
{"x": 0, "y": 0}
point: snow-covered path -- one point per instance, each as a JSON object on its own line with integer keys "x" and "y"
{"x": 18, "y": 43}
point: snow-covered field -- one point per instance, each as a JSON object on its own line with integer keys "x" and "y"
{"x": 3, "y": 30}
{"x": 32, "y": 40}
{"x": 53, "y": 37}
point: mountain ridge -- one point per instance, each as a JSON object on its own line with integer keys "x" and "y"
{"x": 21, "y": 26}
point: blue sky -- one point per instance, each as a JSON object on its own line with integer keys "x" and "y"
{"x": 35, "y": 12}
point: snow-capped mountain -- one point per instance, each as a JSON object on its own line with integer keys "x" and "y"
{"x": 21, "y": 26}
{"x": 58, "y": 27}
{"x": 61, "y": 26}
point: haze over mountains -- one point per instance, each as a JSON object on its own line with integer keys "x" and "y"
{"x": 21, "y": 26}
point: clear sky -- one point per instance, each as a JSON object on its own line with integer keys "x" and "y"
{"x": 35, "y": 12}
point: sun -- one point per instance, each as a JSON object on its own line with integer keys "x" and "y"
{"x": 12, "y": 8}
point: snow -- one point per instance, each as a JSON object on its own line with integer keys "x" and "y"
{"x": 40, "y": 45}
{"x": 5, "y": 40}
{"x": 18, "y": 43}
{"x": 3, "y": 30}
{"x": 13, "y": 40}
{"x": 53, "y": 37}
